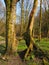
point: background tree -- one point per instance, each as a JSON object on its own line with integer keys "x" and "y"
{"x": 40, "y": 19}
{"x": 2, "y": 20}
{"x": 22, "y": 17}
{"x": 26, "y": 15}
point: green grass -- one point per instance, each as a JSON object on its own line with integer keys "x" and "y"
{"x": 44, "y": 44}
{"x": 22, "y": 46}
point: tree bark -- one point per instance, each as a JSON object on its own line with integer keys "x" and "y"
{"x": 13, "y": 21}
{"x": 10, "y": 21}
{"x": 28, "y": 35}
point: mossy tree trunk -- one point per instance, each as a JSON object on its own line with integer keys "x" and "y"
{"x": 13, "y": 21}
{"x": 10, "y": 20}
{"x": 28, "y": 36}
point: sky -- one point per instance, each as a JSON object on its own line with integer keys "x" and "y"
{"x": 1, "y": 9}
{"x": 18, "y": 9}
{"x": 3, "y": 2}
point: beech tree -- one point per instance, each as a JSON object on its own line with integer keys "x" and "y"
{"x": 10, "y": 21}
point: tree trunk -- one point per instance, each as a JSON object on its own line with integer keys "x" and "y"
{"x": 13, "y": 21}
{"x": 8, "y": 14}
{"x": 40, "y": 20}
{"x": 10, "y": 21}
{"x": 28, "y": 35}
{"x": 26, "y": 16}
{"x": 48, "y": 34}
{"x": 22, "y": 17}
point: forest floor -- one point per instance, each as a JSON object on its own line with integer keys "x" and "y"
{"x": 13, "y": 60}
{"x": 32, "y": 59}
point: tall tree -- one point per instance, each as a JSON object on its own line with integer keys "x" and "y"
{"x": 28, "y": 36}
{"x": 10, "y": 20}
{"x": 46, "y": 6}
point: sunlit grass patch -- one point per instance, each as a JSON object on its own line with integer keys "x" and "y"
{"x": 22, "y": 46}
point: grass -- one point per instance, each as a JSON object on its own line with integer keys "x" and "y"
{"x": 22, "y": 46}
{"x": 44, "y": 44}
{"x": 2, "y": 48}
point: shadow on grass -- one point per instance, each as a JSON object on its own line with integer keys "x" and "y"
{"x": 38, "y": 53}
{"x": 41, "y": 54}
{"x": 22, "y": 53}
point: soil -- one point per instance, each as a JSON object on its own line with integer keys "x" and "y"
{"x": 13, "y": 60}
